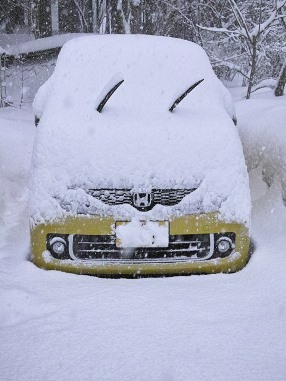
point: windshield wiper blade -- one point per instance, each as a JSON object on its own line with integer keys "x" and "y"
{"x": 108, "y": 94}
{"x": 181, "y": 97}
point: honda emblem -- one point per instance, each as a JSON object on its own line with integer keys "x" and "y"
{"x": 142, "y": 200}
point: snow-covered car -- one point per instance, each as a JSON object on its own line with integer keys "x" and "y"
{"x": 137, "y": 166}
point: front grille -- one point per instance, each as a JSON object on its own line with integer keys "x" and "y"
{"x": 142, "y": 201}
{"x": 112, "y": 196}
{"x": 187, "y": 247}
{"x": 87, "y": 247}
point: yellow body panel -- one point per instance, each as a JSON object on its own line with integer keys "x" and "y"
{"x": 96, "y": 225}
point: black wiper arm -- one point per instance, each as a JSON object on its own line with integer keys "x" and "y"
{"x": 181, "y": 97}
{"x": 108, "y": 95}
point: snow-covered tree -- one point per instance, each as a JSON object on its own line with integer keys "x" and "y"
{"x": 13, "y": 13}
{"x": 281, "y": 82}
{"x": 246, "y": 35}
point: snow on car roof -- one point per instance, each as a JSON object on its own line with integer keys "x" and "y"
{"x": 136, "y": 142}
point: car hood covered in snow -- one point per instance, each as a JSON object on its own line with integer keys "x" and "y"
{"x": 136, "y": 142}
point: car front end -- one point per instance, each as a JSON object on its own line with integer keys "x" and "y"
{"x": 189, "y": 244}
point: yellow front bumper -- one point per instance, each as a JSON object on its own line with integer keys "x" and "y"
{"x": 96, "y": 225}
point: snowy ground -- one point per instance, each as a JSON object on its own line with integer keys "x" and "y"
{"x": 57, "y": 326}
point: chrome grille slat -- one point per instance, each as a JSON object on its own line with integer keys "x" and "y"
{"x": 139, "y": 261}
{"x": 97, "y": 243}
{"x": 185, "y": 242}
{"x": 98, "y": 250}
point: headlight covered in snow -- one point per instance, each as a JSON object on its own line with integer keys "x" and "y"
{"x": 58, "y": 245}
{"x": 224, "y": 244}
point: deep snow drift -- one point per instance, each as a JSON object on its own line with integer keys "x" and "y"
{"x": 56, "y": 326}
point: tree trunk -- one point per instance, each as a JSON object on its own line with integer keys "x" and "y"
{"x": 96, "y": 16}
{"x": 42, "y": 18}
{"x": 68, "y": 17}
{"x": 124, "y": 9}
{"x": 136, "y": 19}
{"x": 252, "y": 69}
{"x": 116, "y": 24}
{"x": 88, "y": 15}
{"x": 149, "y": 8}
{"x": 279, "y": 90}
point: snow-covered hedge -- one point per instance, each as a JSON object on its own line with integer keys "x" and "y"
{"x": 262, "y": 127}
